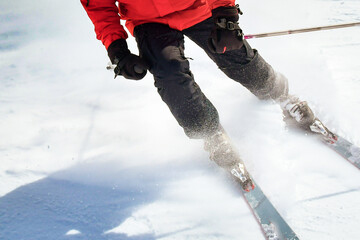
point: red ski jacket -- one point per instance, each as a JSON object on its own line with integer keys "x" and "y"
{"x": 178, "y": 14}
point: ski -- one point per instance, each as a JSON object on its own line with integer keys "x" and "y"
{"x": 346, "y": 149}
{"x": 273, "y": 226}
{"x": 224, "y": 153}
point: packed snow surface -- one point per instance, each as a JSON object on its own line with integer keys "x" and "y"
{"x": 86, "y": 156}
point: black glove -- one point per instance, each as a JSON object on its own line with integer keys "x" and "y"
{"x": 226, "y": 34}
{"x": 127, "y": 64}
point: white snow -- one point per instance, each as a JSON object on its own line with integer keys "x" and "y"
{"x": 73, "y": 232}
{"x": 88, "y": 157}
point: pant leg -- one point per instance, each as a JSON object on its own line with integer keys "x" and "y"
{"x": 163, "y": 49}
{"x": 245, "y": 65}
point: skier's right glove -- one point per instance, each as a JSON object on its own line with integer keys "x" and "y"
{"x": 127, "y": 64}
{"x": 226, "y": 34}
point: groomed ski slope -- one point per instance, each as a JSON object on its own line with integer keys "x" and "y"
{"x": 84, "y": 156}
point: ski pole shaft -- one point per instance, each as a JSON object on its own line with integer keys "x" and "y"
{"x": 301, "y": 30}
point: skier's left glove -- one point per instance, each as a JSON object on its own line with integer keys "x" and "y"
{"x": 127, "y": 64}
{"x": 226, "y": 34}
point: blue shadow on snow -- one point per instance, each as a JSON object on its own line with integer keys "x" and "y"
{"x": 49, "y": 208}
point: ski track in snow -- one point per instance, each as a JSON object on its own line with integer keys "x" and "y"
{"x": 84, "y": 156}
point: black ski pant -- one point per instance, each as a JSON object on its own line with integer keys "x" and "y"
{"x": 163, "y": 48}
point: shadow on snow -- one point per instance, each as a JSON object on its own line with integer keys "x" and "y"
{"x": 88, "y": 198}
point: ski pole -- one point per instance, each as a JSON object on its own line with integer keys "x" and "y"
{"x": 301, "y": 30}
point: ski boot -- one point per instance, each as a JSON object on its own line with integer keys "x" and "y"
{"x": 297, "y": 113}
{"x": 224, "y": 154}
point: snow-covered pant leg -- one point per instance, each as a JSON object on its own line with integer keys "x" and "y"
{"x": 245, "y": 65}
{"x": 163, "y": 49}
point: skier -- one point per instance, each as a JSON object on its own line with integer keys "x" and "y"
{"x": 159, "y": 27}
